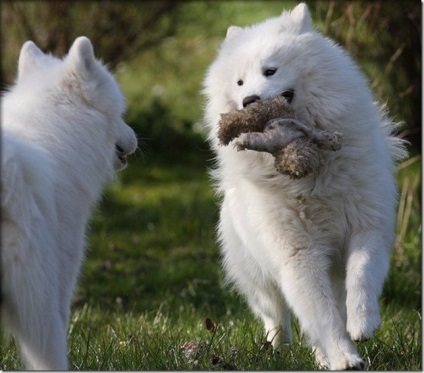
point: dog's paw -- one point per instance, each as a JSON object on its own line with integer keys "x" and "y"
{"x": 362, "y": 325}
{"x": 320, "y": 358}
{"x": 348, "y": 362}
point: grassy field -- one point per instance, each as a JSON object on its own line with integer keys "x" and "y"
{"x": 152, "y": 276}
{"x": 149, "y": 293}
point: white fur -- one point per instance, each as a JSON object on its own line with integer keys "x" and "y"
{"x": 61, "y": 123}
{"x": 318, "y": 246}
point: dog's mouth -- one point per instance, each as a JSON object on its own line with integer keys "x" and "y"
{"x": 288, "y": 95}
{"x": 120, "y": 158}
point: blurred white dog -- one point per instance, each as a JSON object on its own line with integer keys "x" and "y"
{"x": 63, "y": 137}
{"x": 317, "y": 246}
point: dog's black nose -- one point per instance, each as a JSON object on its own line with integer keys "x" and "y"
{"x": 250, "y": 99}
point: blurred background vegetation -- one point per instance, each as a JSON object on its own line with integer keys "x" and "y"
{"x": 161, "y": 49}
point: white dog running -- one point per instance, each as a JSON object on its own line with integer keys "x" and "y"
{"x": 62, "y": 139}
{"x": 318, "y": 246}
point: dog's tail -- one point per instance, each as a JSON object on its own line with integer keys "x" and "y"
{"x": 26, "y": 185}
{"x": 397, "y": 146}
{"x": 23, "y": 168}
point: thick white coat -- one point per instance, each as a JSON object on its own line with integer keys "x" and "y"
{"x": 318, "y": 246}
{"x": 61, "y": 123}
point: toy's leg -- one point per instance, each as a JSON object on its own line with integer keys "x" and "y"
{"x": 367, "y": 267}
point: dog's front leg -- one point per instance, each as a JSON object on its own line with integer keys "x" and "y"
{"x": 366, "y": 269}
{"x": 306, "y": 285}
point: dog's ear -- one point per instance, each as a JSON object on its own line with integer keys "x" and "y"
{"x": 81, "y": 57}
{"x": 302, "y": 17}
{"x": 30, "y": 58}
{"x": 232, "y": 30}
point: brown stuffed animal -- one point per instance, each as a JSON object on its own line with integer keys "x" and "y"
{"x": 270, "y": 126}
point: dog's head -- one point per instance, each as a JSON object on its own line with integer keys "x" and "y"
{"x": 84, "y": 89}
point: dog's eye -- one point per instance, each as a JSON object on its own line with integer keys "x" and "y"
{"x": 240, "y": 82}
{"x": 271, "y": 71}
{"x": 288, "y": 95}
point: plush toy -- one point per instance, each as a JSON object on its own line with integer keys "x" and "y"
{"x": 270, "y": 126}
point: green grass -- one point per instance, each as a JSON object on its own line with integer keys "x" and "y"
{"x": 152, "y": 278}
{"x": 152, "y": 275}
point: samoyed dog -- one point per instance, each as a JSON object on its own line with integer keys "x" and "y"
{"x": 317, "y": 247}
{"x": 63, "y": 137}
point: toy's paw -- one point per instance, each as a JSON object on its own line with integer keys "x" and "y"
{"x": 239, "y": 145}
{"x": 298, "y": 159}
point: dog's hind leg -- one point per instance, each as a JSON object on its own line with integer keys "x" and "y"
{"x": 31, "y": 304}
{"x": 38, "y": 327}
{"x": 49, "y": 353}
{"x": 34, "y": 320}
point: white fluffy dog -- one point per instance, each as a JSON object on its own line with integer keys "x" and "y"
{"x": 63, "y": 137}
{"x": 317, "y": 246}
